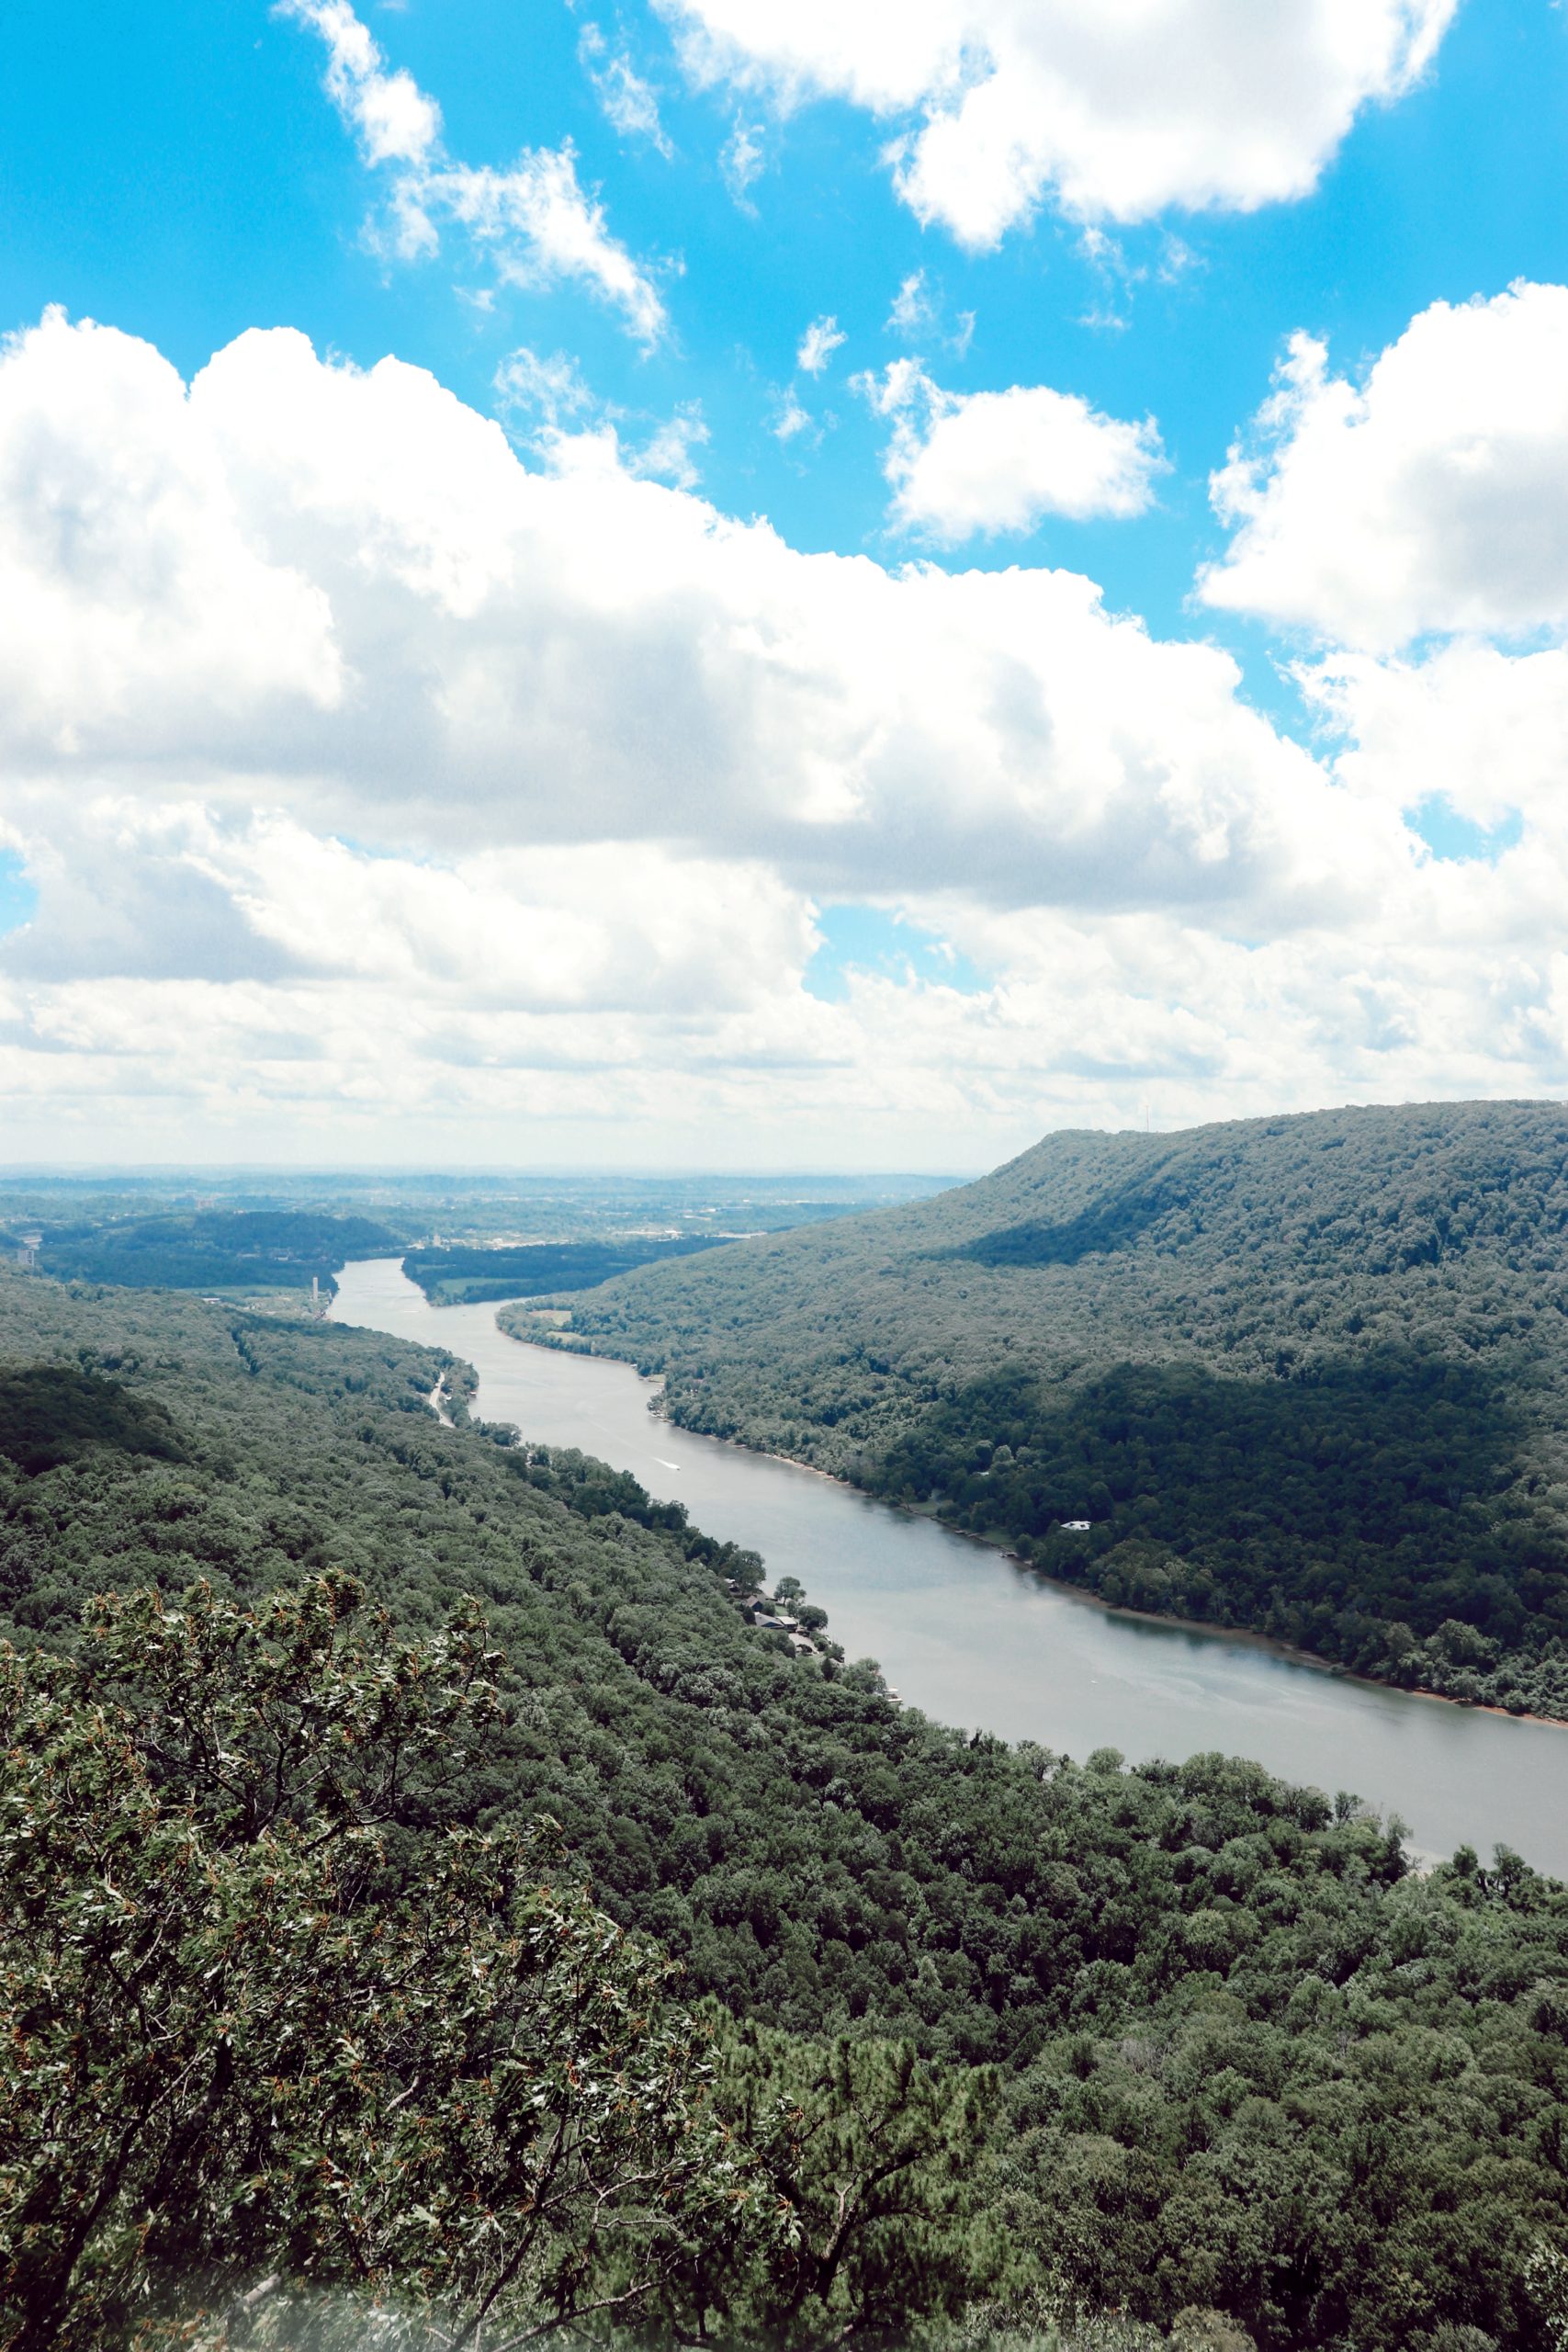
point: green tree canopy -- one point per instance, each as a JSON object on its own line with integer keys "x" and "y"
{"x": 241, "y": 2045}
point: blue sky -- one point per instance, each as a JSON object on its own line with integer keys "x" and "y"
{"x": 185, "y": 175}
{"x": 175, "y": 170}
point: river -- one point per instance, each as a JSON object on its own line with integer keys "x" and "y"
{"x": 974, "y": 1638}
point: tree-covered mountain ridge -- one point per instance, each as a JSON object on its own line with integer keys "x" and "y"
{"x": 1257, "y": 2081}
{"x": 1305, "y": 1375}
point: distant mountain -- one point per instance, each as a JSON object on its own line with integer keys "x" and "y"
{"x": 1307, "y": 1376}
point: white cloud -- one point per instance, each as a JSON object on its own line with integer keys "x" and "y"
{"x": 551, "y": 389}
{"x": 533, "y": 223}
{"x": 549, "y": 405}
{"x": 789, "y": 419}
{"x": 628, "y": 104}
{"x": 742, "y": 160}
{"x": 614, "y": 747}
{"x": 538, "y": 228}
{"x": 139, "y": 609}
{"x": 1114, "y": 109}
{"x": 602, "y": 926}
{"x": 1433, "y": 497}
{"x": 1484, "y": 730}
{"x": 501, "y": 654}
{"x": 395, "y": 121}
{"x": 668, "y": 454}
{"x": 1094, "y": 1018}
{"x": 965, "y": 463}
{"x": 916, "y": 316}
{"x": 913, "y": 314}
{"x": 818, "y": 345}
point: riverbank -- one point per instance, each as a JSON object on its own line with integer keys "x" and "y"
{"x": 1269, "y": 1643}
{"x": 1249, "y": 1636}
{"x": 974, "y": 1638}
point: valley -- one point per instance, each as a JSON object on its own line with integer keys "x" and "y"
{"x": 972, "y": 1636}
{"x": 1307, "y": 1377}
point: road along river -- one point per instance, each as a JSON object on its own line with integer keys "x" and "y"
{"x": 973, "y": 1638}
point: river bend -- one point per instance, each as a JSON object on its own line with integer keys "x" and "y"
{"x": 974, "y": 1638}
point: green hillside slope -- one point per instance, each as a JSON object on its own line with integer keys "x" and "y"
{"x": 213, "y": 1249}
{"x": 458, "y": 1276}
{"x": 1248, "y": 2059}
{"x": 1308, "y": 1376}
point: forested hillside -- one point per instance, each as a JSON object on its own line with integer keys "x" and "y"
{"x": 213, "y": 1249}
{"x": 1308, "y": 1376}
{"x": 453, "y": 1276}
{"x": 1250, "y": 2062}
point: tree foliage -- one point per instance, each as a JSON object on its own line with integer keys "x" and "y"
{"x": 449, "y": 1275}
{"x": 240, "y": 2044}
{"x": 1246, "y": 2059}
{"x": 1304, "y": 1375}
{"x": 874, "y": 2157}
{"x": 211, "y": 1249}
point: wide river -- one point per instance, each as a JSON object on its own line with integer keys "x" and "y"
{"x": 973, "y": 1638}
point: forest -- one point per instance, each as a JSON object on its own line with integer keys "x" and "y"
{"x": 261, "y": 1237}
{"x": 1306, "y": 1375}
{"x": 212, "y": 1250}
{"x": 449, "y": 1276}
{"x": 1214, "y": 2064}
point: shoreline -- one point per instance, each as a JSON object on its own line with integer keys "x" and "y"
{"x": 1243, "y": 1634}
{"x": 971, "y": 1646}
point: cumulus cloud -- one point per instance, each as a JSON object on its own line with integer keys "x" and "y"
{"x": 467, "y": 646}
{"x": 1451, "y": 996}
{"x": 1415, "y": 523}
{"x": 966, "y": 463}
{"x": 168, "y": 890}
{"x": 818, "y": 345}
{"x": 533, "y": 221}
{"x": 138, "y": 608}
{"x": 1093, "y": 1018}
{"x": 1481, "y": 730}
{"x": 390, "y": 785}
{"x": 1432, "y": 497}
{"x": 1112, "y": 111}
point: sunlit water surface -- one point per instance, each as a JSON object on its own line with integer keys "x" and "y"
{"x": 973, "y": 1638}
